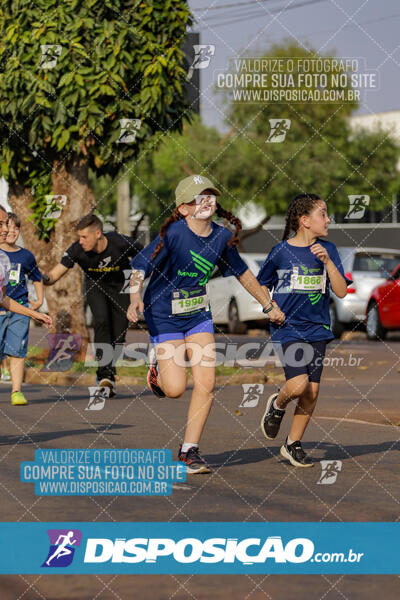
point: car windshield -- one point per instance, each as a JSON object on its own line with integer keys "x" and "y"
{"x": 372, "y": 263}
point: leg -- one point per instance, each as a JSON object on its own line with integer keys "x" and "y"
{"x": 17, "y": 372}
{"x": 171, "y": 367}
{"x": 293, "y": 388}
{"x": 16, "y": 344}
{"x": 118, "y": 305}
{"x": 304, "y": 410}
{"x": 201, "y": 352}
{"x": 98, "y": 303}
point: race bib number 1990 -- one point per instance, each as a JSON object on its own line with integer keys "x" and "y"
{"x": 186, "y": 302}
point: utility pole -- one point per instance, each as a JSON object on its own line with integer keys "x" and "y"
{"x": 123, "y": 206}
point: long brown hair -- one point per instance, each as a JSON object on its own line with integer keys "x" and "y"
{"x": 302, "y": 204}
{"x": 221, "y": 212}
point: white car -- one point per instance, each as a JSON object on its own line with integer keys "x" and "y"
{"x": 231, "y": 304}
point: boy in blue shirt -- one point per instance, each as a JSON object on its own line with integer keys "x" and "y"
{"x": 14, "y": 328}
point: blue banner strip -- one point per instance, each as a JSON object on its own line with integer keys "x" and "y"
{"x": 204, "y": 548}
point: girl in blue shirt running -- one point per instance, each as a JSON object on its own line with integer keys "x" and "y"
{"x": 301, "y": 270}
{"x": 176, "y": 306}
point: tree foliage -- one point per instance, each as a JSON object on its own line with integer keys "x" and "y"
{"x": 114, "y": 60}
{"x": 320, "y": 154}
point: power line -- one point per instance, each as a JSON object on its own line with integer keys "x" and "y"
{"x": 254, "y": 2}
{"x": 260, "y": 14}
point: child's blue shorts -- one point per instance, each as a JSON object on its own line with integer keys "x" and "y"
{"x": 14, "y": 332}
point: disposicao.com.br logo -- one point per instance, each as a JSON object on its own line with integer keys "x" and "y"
{"x": 62, "y": 547}
{"x": 247, "y": 551}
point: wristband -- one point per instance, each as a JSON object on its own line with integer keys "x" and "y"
{"x": 267, "y": 310}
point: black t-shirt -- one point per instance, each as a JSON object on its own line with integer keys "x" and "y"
{"x": 110, "y": 267}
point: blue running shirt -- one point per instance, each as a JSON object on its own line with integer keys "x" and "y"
{"x": 180, "y": 272}
{"x": 23, "y": 267}
{"x": 301, "y": 290}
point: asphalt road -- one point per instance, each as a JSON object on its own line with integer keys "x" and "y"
{"x": 356, "y": 422}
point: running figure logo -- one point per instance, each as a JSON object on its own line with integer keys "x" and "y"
{"x": 202, "y": 57}
{"x": 279, "y": 129}
{"x": 330, "y": 471}
{"x": 103, "y": 264}
{"x": 62, "y": 547}
{"x": 54, "y": 205}
{"x": 357, "y": 205}
{"x": 50, "y": 54}
{"x": 62, "y": 349}
{"x": 97, "y": 397}
{"x": 129, "y": 129}
{"x": 251, "y": 394}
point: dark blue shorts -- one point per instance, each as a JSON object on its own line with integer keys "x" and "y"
{"x": 302, "y": 358}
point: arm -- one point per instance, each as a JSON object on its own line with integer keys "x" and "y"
{"x": 54, "y": 275}
{"x": 11, "y": 305}
{"x": 135, "y": 292}
{"x": 338, "y": 282}
{"x": 36, "y": 304}
{"x": 142, "y": 266}
{"x": 261, "y": 294}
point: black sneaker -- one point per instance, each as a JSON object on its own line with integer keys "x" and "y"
{"x": 194, "y": 462}
{"x": 107, "y": 383}
{"x": 271, "y": 419}
{"x": 152, "y": 375}
{"x": 296, "y": 455}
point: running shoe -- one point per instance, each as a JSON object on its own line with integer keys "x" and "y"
{"x": 194, "y": 462}
{"x": 105, "y": 382}
{"x": 296, "y": 455}
{"x": 271, "y": 419}
{"x": 152, "y": 375}
{"x": 18, "y": 399}
{"x": 5, "y": 374}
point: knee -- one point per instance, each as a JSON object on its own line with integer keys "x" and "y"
{"x": 173, "y": 389}
{"x": 205, "y": 388}
{"x": 298, "y": 389}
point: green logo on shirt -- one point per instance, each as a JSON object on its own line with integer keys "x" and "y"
{"x": 203, "y": 265}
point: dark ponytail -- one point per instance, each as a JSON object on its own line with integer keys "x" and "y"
{"x": 302, "y": 204}
{"x": 226, "y": 214}
{"x": 176, "y": 216}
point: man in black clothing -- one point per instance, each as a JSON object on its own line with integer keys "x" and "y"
{"x": 103, "y": 257}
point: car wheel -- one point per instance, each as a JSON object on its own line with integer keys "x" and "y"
{"x": 375, "y": 330}
{"x": 234, "y": 324}
{"x": 337, "y": 327}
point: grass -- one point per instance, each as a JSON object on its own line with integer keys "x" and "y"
{"x": 34, "y": 352}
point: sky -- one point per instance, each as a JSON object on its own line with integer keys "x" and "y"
{"x": 363, "y": 29}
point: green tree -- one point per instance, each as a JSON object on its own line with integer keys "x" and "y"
{"x": 320, "y": 154}
{"x": 71, "y": 73}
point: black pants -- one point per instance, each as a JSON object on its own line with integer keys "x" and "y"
{"x": 110, "y": 324}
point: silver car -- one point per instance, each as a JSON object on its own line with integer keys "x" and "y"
{"x": 367, "y": 268}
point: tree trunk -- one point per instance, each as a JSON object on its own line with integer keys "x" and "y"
{"x": 64, "y": 298}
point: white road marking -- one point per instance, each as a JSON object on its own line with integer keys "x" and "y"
{"x": 358, "y": 421}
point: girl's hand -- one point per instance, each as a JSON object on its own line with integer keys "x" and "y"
{"x": 320, "y": 252}
{"x": 46, "y": 319}
{"x": 276, "y": 315}
{"x": 135, "y": 307}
